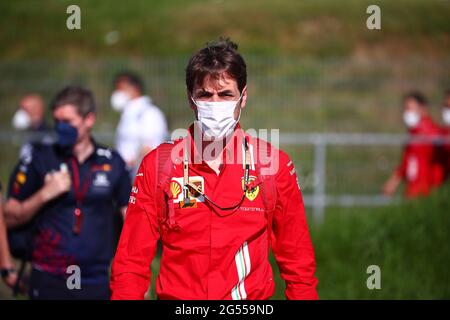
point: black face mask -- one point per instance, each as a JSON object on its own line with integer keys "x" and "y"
{"x": 66, "y": 133}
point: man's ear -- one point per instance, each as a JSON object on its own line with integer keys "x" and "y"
{"x": 90, "y": 119}
{"x": 244, "y": 97}
{"x": 191, "y": 103}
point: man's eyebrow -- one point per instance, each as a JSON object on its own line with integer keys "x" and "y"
{"x": 202, "y": 91}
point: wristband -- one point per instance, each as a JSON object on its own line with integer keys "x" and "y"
{"x": 5, "y": 272}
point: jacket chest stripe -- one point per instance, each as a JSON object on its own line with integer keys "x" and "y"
{"x": 243, "y": 266}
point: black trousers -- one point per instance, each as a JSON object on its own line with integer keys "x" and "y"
{"x": 44, "y": 286}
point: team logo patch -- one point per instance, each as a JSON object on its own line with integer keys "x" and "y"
{"x": 21, "y": 178}
{"x": 101, "y": 180}
{"x": 251, "y": 194}
{"x": 176, "y": 188}
{"x": 16, "y": 188}
{"x": 102, "y": 167}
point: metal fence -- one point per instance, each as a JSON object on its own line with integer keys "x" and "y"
{"x": 289, "y": 93}
{"x": 293, "y": 94}
{"x": 319, "y": 199}
{"x": 316, "y": 194}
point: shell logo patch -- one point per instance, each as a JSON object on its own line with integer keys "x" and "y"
{"x": 251, "y": 194}
{"x": 175, "y": 189}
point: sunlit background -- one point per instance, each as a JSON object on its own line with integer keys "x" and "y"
{"x": 315, "y": 71}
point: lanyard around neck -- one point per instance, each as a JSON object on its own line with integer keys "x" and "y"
{"x": 187, "y": 186}
{"x": 80, "y": 192}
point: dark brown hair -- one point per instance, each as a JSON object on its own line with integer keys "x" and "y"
{"x": 214, "y": 60}
{"x": 417, "y": 96}
{"x": 81, "y": 98}
{"x": 131, "y": 78}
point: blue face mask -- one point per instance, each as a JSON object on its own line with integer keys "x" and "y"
{"x": 67, "y": 134}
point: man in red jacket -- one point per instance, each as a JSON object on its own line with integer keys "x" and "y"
{"x": 445, "y": 154}
{"x": 419, "y": 167}
{"x": 217, "y": 199}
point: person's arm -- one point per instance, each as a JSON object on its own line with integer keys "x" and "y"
{"x": 392, "y": 184}
{"x": 291, "y": 242}
{"x": 122, "y": 187}
{"x": 18, "y": 212}
{"x": 123, "y": 212}
{"x": 396, "y": 178}
{"x": 131, "y": 273}
{"x": 6, "y": 262}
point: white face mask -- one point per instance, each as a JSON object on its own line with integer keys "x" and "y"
{"x": 411, "y": 119}
{"x": 119, "y": 100}
{"x": 446, "y": 116}
{"x": 217, "y": 118}
{"x": 21, "y": 120}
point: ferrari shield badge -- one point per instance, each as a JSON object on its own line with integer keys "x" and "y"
{"x": 251, "y": 194}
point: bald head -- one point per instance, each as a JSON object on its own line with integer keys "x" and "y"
{"x": 33, "y": 104}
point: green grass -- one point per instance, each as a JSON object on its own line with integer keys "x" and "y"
{"x": 312, "y": 65}
{"x": 410, "y": 242}
{"x": 32, "y": 28}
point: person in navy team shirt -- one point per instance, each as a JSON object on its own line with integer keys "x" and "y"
{"x": 71, "y": 190}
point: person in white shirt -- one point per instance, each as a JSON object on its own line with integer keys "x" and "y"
{"x": 142, "y": 126}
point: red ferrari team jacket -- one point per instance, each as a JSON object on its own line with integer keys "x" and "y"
{"x": 445, "y": 153}
{"x": 420, "y": 165}
{"x": 209, "y": 253}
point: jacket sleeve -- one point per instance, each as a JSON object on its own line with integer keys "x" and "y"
{"x": 401, "y": 168}
{"x": 131, "y": 273}
{"x": 291, "y": 242}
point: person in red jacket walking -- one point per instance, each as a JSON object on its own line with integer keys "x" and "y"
{"x": 218, "y": 199}
{"x": 419, "y": 167}
{"x": 445, "y": 154}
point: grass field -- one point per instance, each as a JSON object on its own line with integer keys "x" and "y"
{"x": 313, "y": 66}
{"x": 409, "y": 242}
{"x": 32, "y": 28}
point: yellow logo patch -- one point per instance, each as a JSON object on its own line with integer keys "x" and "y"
{"x": 175, "y": 188}
{"x": 21, "y": 178}
{"x": 251, "y": 194}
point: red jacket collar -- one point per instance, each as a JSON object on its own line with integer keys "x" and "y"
{"x": 425, "y": 126}
{"x": 230, "y": 144}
